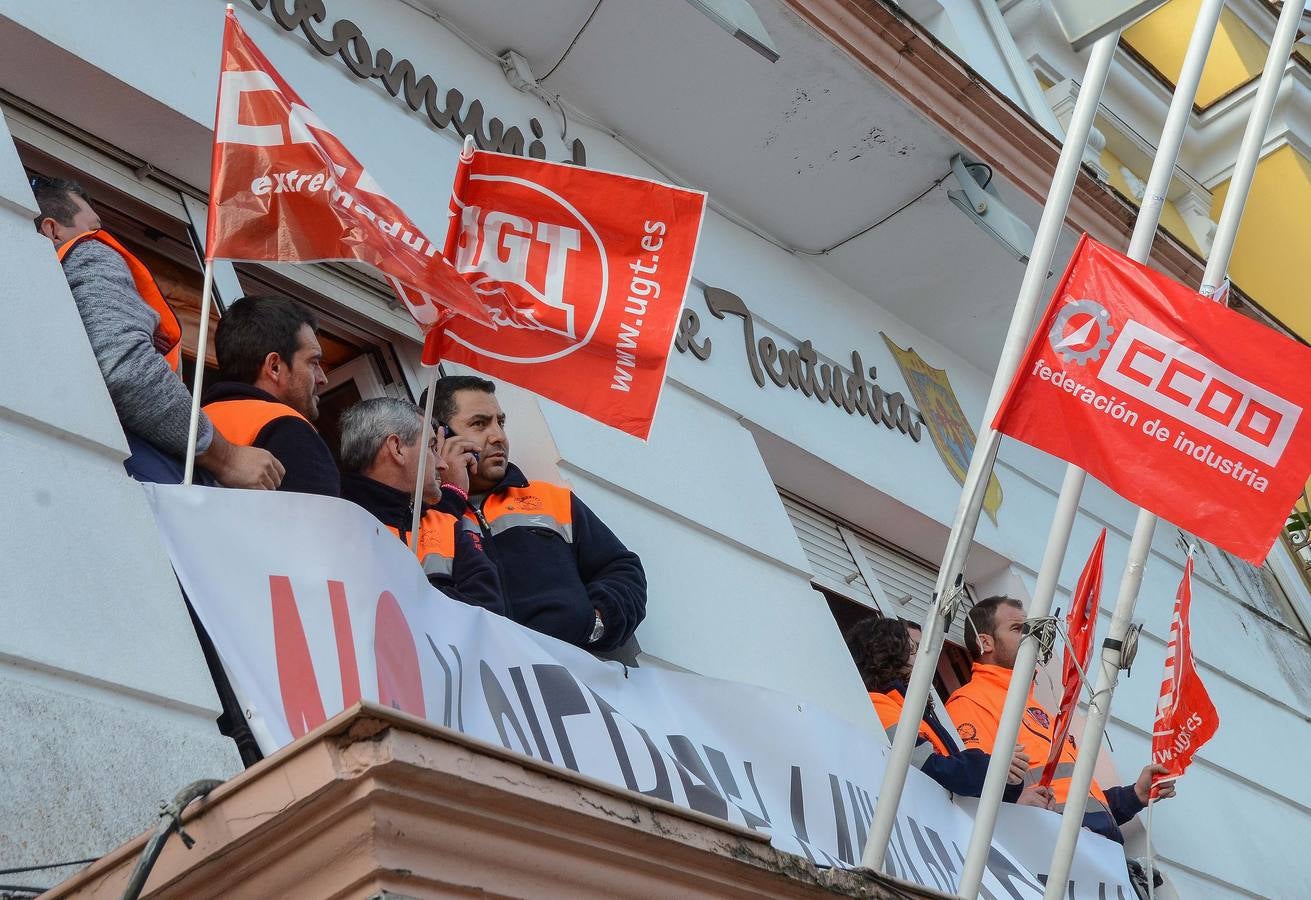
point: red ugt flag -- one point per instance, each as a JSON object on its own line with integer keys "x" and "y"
{"x": 1188, "y": 409}
{"x": 585, "y": 273}
{"x": 1185, "y": 716}
{"x": 1081, "y": 625}
{"x": 283, "y": 188}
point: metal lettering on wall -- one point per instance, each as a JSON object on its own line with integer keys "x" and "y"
{"x": 400, "y": 79}
{"x": 801, "y": 370}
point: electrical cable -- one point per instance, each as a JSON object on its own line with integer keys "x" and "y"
{"x": 979, "y": 165}
{"x": 171, "y": 814}
{"x": 564, "y": 55}
{"x": 864, "y": 231}
{"x": 59, "y": 865}
{"x": 21, "y": 889}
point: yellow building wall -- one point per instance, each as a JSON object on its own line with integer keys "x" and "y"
{"x": 1237, "y": 53}
{"x": 1272, "y": 256}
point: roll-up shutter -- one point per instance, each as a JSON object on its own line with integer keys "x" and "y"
{"x": 855, "y": 564}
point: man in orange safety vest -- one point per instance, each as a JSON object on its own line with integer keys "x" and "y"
{"x": 137, "y": 343}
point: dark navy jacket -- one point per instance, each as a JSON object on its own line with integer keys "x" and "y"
{"x": 559, "y": 562}
{"x": 473, "y": 578}
{"x": 960, "y": 771}
{"x": 1124, "y": 805}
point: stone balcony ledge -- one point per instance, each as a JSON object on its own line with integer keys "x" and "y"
{"x": 377, "y": 803}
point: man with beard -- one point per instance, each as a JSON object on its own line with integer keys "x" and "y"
{"x": 884, "y": 651}
{"x": 271, "y": 366}
{"x": 563, "y": 572}
{"x": 994, "y": 629}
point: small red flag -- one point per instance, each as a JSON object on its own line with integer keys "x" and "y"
{"x": 1081, "y": 625}
{"x": 1185, "y": 408}
{"x": 284, "y": 188}
{"x": 1185, "y": 716}
{"x": 585, "y": 272}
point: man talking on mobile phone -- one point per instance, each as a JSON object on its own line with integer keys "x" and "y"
{"x": 563, "y": 572}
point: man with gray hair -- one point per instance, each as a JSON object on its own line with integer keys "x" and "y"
{"x": 380, "y": 444}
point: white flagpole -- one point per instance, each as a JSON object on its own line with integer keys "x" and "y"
{"x": 202, "y": 348}
{"x": 430, "y": 389}
{"x": 1067, "y": 504}
{"x": 985, "y": 449}
{"x": 1249, "y": 155}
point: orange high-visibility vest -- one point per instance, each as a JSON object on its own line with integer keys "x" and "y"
{"x": 889, "y": 707}
{"x": 169, "y": 331}
{"x": 240, "y": 421}
{"x": 976, "y": 710}
{"x": 436, "y": 549}
{"x": 539, "y": 505}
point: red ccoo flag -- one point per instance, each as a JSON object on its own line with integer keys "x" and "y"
{"x": 585, "y": 272}
{"x": 1081, "y": 625}
{"x": 284, "y": 188}
{"x": 1190, "y": 410}
{"x": 1185, "y": 716}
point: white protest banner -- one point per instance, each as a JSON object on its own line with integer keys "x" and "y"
{"x": 313, "y": 605}
{"x": 1029, "y": 833}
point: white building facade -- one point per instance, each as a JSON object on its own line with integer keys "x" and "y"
{"x": 766, "y": 518}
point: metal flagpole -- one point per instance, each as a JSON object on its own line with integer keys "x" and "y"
{"x": 430, "y": 390}
{"x": 202, "y": 348}
{"x": 985, "y": 449}
{"x": 1067, "y": 503}
{"x": 1151, "y": 857}
{"x": 1249, "y": 154}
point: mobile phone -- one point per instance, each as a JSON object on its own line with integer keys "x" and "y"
{"x": 450, "y": 432}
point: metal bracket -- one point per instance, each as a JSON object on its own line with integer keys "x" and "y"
{"x": 1128, "y": 648}
{"x": 1043, "y": 630}
{"x": 951, "y": 604}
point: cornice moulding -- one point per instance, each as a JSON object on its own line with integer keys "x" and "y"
{"x": 1224, "y": 127}
{"x": 1135, "y": 102}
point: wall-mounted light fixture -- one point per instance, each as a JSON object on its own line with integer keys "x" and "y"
{"x": 739, "y": 19}
{"x": 978, "y": 199}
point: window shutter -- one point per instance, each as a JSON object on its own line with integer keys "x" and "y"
{"x": 849, "y": 561}
{"x": 832, "y": 564}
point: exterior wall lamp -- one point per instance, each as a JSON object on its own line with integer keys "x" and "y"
{"x": 978, "y": 199}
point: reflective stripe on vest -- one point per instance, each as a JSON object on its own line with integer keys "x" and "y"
{"x": 169, "y": 332}
{"x": 436, "y": 542}
{"x": 1062, "y": 775}
{"x": 539, "y": 505}
{"x": 1036, "y": 739}
{"x": 241, "y": 421}
{"x": 889, "y": 707}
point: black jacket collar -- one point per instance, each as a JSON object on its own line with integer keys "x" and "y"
{"x": 514, "y": 478}
{"x": 236, "y": 390}
{"x": 390, "y": 505}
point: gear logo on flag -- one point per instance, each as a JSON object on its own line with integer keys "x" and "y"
{"x": 1090, "y": 335}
